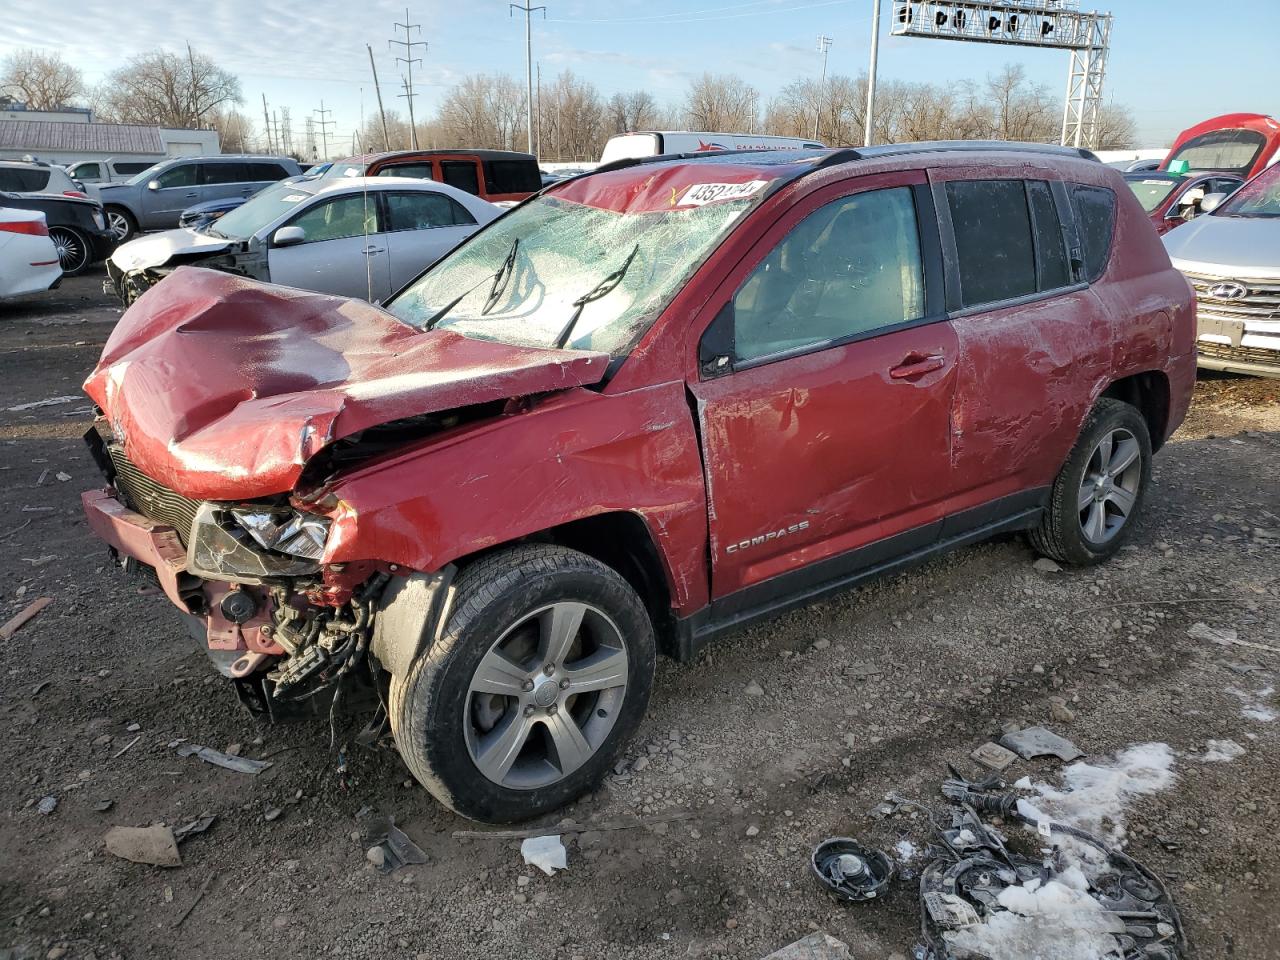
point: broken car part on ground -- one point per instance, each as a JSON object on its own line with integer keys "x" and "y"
{"x": 616, "y": 421}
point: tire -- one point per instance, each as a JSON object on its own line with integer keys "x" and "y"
{"x": 74, "y": 252}
{"x": 1092, "y": 512}
{"x": 121, "y": 223}
{"x": 456, "y": 739}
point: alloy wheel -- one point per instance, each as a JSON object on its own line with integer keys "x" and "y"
{"x": 543, "y": 699}
{"x": 73, "y": 253}
{"x": 1109, "y": 490}
{"x": 118, "y": 224}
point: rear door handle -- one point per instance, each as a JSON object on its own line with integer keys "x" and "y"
{"x": 373, "y": 250}
{"x": 915, "y": 365}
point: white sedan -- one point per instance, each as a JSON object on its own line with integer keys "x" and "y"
{"x": 28, "y": 258}
{"x": 357, "y": 237}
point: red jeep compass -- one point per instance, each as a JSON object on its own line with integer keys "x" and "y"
{"x": 647, "y": 406}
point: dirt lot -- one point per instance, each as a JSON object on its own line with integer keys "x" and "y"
{"x": 913, "y": 672}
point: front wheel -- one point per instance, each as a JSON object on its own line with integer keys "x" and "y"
{"x": 121, "y": 224}
{"x": 541, "y": 674}
{"x": 1097, "y": 495}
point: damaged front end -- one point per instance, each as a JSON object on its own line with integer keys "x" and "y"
{"x": 129, "y": 278}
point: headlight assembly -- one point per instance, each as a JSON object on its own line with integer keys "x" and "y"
{"x": 251, "y": 544}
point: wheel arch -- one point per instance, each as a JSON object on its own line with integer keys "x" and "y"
{"x": 1149, "y": 392}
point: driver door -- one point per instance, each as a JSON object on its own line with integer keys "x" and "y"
{"x": 826, "y": 390}
{"x": 178, "y": 188}
{"x": 344, "y": 253}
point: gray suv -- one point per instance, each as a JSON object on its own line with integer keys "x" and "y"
{"x": 156, "y": 197}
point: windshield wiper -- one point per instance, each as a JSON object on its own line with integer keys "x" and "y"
{"x": 601, "y": 289}
{"x": 501, "y": 278}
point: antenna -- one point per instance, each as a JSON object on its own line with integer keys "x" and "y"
{"x": 409, "y": 60}
{"x": 528, "y": 59}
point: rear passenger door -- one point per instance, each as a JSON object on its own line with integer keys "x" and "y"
{"x": 256, "y": 174}
{"x": 421, "y": 227}
{"x": 221, "y": 180}
{"x": 824, "y": 399}
{"x": 1034, "y": 341}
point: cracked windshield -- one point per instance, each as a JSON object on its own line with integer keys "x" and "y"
{"x": 555, "y": 272}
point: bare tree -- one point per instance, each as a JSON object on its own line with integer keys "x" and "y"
{"x": 43, "y": 81}
{"x": 1117, "y": 129}
{"x": 636, "y": 110}
{"x": 484, "y": 111}
{"x": 169, "y": 90}
{"x": 573, "y": 119}
{"x": 721, "y": 102}
{"x": 235, "y": 130}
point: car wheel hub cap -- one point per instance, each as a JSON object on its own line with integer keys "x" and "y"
{"x": 1109, "y": 488}
{"x": 544, "y": 697}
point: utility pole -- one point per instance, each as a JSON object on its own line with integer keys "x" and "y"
{"x": 824, "y": 44}
{"x": 386, "y": 140}
{"x": 266, "y": 121}
{"x": 528, "y": 57}
{"x": 324, "y": 126}
{"x": 539, "y": 108}
{"x": 408, "y": 60}
{"x": 871, "y": 74}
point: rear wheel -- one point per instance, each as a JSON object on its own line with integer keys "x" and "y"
{"x": 541, "y": 674}
{"x": 121, "y": 223}
{"x": 1098, "y": 493}
{"x": 73, "y": 249}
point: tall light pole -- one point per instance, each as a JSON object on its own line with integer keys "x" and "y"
{"x": 871, "y": 73}
{"x": 824, "y": 44}
{"x": 409, "y": 60}
{"x": 528, "y": 59}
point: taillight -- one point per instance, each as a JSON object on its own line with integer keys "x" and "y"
{"x": 34, "y": 228}
{"x": 75, "y": 193}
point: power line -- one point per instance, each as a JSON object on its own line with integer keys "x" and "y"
{"x": 733, "y": 16}
{"x": 409, "y": 60}
{"x": 324, "y": 126}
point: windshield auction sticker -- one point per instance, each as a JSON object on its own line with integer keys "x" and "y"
{"x": 701, "y": 193}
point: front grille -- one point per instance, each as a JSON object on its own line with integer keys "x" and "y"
{"x": 1261, "y": 301}
{"x": 1222, "y": 351}
{"x": 153, "y": 500}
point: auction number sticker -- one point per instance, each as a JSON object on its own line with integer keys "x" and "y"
{"x": 701, "y": 193}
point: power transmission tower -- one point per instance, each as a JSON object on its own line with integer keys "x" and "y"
{"x": 824, "y": 44}
{"x": 409, "y": 60}
{"x": 286, "y": 132}
{"x": 528, "y": 58}
{"x": 311, "y": 139}
{"x": 324, "y": 126}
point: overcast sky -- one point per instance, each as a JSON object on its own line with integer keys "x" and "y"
{"x": 1170, "y": 63}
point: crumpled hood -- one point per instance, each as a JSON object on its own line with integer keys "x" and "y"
{"x": 157, "y": 249}
{"x": 223, "y": 387}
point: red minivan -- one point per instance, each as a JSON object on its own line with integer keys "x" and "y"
{"x": 647, "y": 407}
{"x": 503, "y": 177}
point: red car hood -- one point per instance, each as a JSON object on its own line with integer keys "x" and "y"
{"x": 223, "y": 388}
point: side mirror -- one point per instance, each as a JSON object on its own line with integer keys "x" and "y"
{"x": 153, "y": 185}
{"x": 288, "y": 236}
{"x": 1211, "y": 202}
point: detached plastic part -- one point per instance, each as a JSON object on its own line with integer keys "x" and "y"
{"x": 851, "y": 871}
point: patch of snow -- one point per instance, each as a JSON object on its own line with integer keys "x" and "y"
{"x": 1095, "y": 795}
{"x": 1222, "y": 751}
{"x": 1058, "y": 920}
{"x": 1254, "y": 706}
{"x": 1022, "y": 783}
{"x": 906, "y": 851}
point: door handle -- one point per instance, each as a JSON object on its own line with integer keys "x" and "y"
{"x": 914, "y": 365}
{"x": 373, "y": 250}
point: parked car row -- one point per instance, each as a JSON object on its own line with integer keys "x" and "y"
{"x": 646, "y": 407}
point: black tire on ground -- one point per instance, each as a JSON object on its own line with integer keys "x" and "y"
{"x": 121, "y": 223}
{"x": 431, "y": 707}
{"x": 1062, "y": 532}
{"x": 74, "y": 252}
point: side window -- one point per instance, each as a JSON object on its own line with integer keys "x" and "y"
{"x": 213, "y": 173}
{"x": 88, "y": 171}
{"x": 1095, "y": 220}
{"x": 183, "y": 175}
{"x": 263, "y": 172}
{"x": 128, "y": 168}
{"x": 513, "y": 176}
{"x": 849, "y": 268}
{"x": 460, "y": 174}
{"x": 1051, "y": 251}
{"x": 992, "y": 228}
{"x": 423, "y": 211}
{"x": 23, "y": 179}
{"x": 337, "y": 219}
{"x": 420, "y": 170}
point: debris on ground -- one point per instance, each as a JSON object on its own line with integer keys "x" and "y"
{"x": 851, "y": 871}
{"x": 220, "y": 759}
{"x": 816, "y": 946}
{"x": 1224, "y": 636}
{"x": 204, "y": 888}
{"x": 391, "y": 847}
{"x": 994, "y": 756}
{"x": 51, "y": 402}
{"x": 570, "y": 826}
{"x": 154, "y": 845}
{"x": 125, "y": 749}
{"x": 547, "y": 853}
{"x": 194, "y": 827}
{"x": 1045, "y": 565}
{"x": 102, "y": 806}
{"x": 47, "y": 805}
{"x": 1038, "y": 742}
{"x": 24, "y": 616}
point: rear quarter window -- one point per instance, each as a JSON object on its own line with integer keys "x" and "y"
{"x": 1095, "y": 209}
{"x": 513, "y": 176}
{"x": 992, "y": 227}
{"x": 23, "y": 179}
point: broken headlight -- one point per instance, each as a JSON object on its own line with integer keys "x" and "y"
{"x": 253, "y": 544}
{"x": 284, "y": 530}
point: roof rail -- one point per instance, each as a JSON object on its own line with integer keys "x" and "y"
{"x": 962, "y": 146}
{"x": 625, "y": 162}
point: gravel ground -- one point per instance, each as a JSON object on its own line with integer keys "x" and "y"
{"x": 772, "y": 740}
